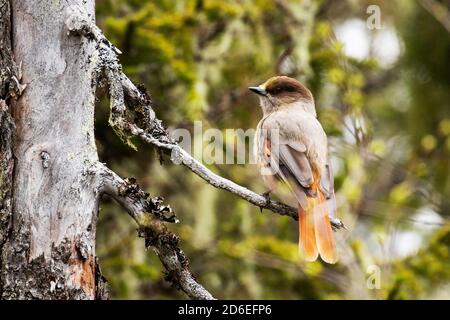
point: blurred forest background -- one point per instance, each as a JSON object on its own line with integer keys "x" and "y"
{"x": 383, "y": 97}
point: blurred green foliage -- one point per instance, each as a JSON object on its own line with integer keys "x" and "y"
{"x": 389, "y": 130}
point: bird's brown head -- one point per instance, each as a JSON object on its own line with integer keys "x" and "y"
{"x": 281, "y": 91}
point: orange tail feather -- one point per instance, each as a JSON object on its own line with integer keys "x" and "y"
{"x": 307, "y": 238}
{"x": 324, "y": 234}
{"x": 316, "y": 235}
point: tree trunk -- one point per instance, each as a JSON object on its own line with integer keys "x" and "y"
{"x": 49, "y": 251}
{"x": 50, "y": 188}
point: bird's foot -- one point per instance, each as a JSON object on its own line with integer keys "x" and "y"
{"x": 266, "y": 196}
{"x": 337, "y": 224}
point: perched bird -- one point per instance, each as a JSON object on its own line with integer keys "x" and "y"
{"x": 291, "y": 146}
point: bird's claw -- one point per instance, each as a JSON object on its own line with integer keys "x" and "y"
{"x": 337, "y": 224}
{"x": 266, "y": 196}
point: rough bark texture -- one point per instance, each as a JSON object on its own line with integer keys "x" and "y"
{"x": 50, "y": 250}
{"x": 9, "y": 88}
{"x": 6, "y": 175}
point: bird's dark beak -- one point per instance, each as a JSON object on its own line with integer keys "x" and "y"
{"x": 258, "y": 90}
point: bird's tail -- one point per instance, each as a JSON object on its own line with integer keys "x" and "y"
{"x": 316, "y": 236}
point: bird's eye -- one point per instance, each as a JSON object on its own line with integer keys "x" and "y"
{"x": 290, "y": 89}
{"x": 276, "y": 90}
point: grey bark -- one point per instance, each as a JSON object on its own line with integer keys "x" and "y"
{"x": 50, "y": 249}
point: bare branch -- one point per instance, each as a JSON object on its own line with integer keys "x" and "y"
{"x": 79, "y": 22}
{"x": 148, "y": 213}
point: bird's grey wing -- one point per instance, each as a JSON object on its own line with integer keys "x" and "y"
{"x": 297, "y": 163}
{"x": 294, "y": 168}
{"x": 268, "y": 165}
{"x": 286, "y": 157}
